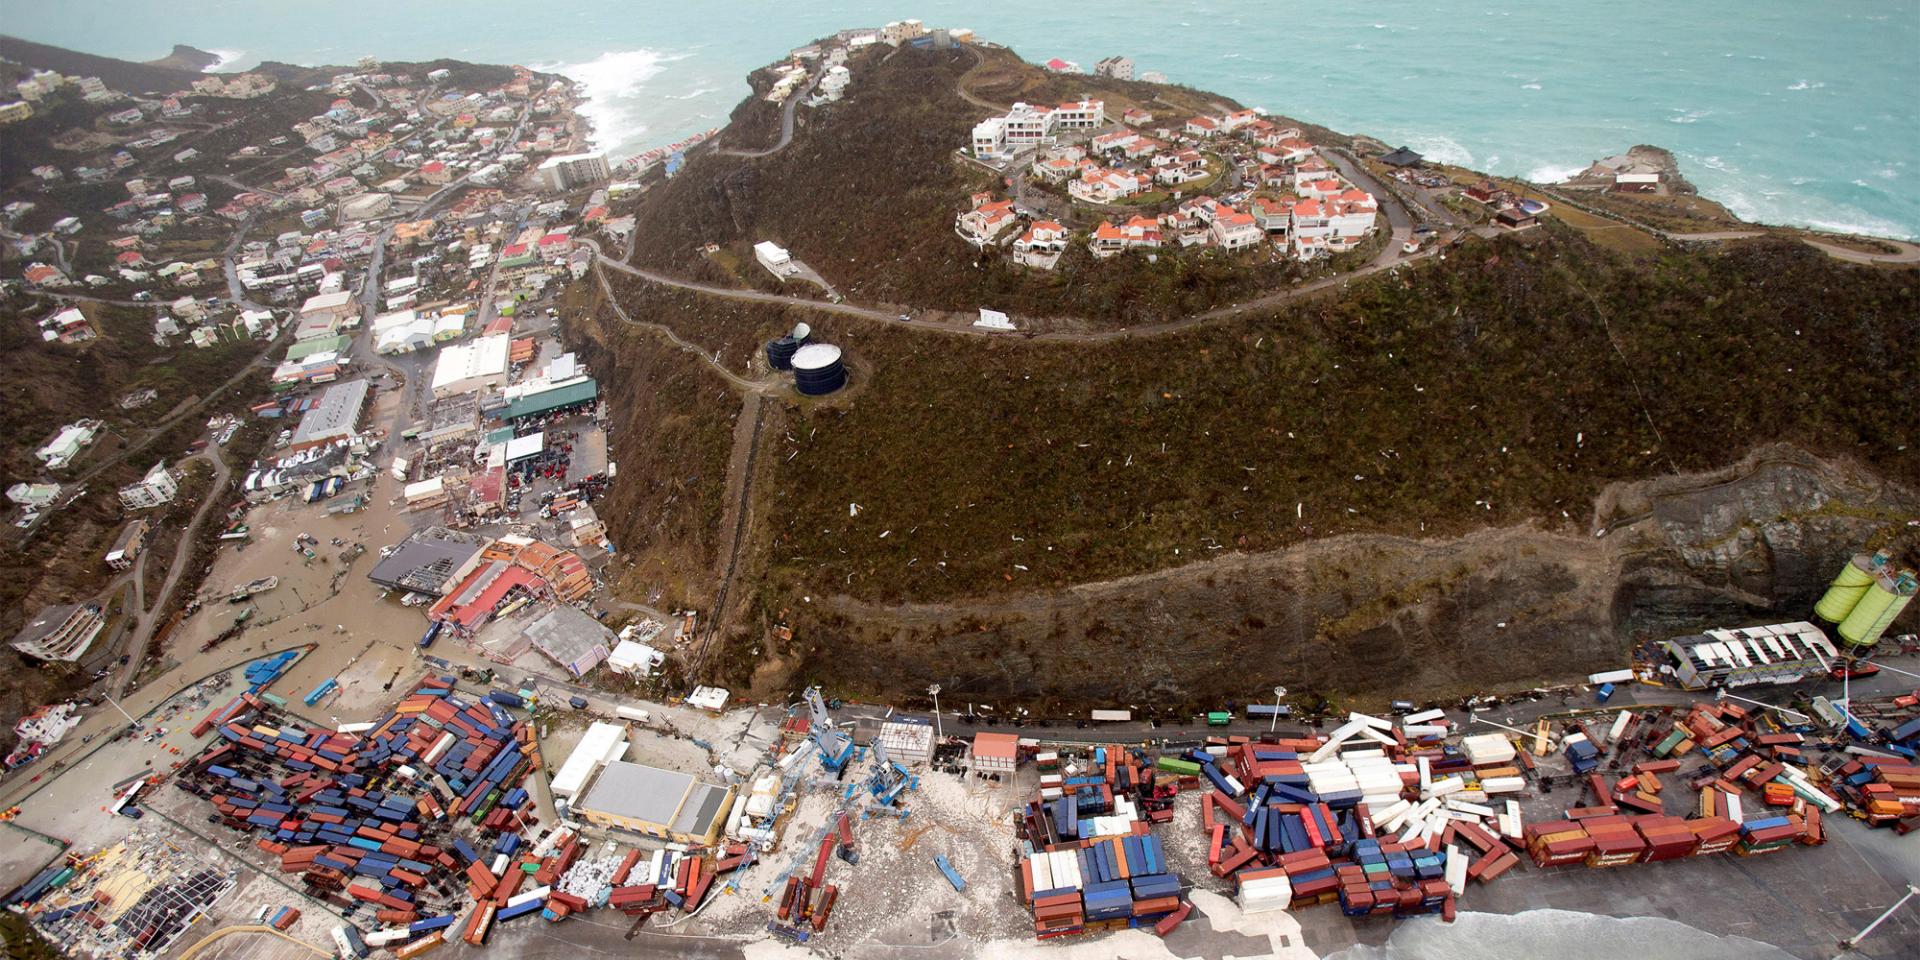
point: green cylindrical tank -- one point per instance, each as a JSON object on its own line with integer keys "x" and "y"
{"x": 1845, "y": 592}
{"x": 1885, "y": 598}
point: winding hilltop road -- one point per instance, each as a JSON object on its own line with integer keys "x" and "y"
{"x": 1388, "y": 259}
{"x": 786, "y": 124}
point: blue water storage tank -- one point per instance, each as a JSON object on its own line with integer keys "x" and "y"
{"x": 817, "y": 369}
{"x": 780, "y": 353}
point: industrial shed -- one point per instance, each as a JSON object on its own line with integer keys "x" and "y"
{"x": 571, "y": 639}
{"x": 660, "y": 803}
{"x": 429, "y": 561}
{"x": 560, "y": 397}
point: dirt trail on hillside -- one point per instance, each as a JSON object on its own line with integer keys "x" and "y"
{"x": 735, "y": 523}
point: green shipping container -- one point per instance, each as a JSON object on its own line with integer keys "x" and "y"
{"x": 1179, "y": 766}
{"x": 1672, "y": 740}
{"x": 1219, "y": 718}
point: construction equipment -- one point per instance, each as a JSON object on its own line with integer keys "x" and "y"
{"x": 889, "y": 779}
{"x": 875, "y": 809}
{"x": 835, "y": 748}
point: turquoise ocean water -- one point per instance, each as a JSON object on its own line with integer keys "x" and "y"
{"x": 1787, "y": 112}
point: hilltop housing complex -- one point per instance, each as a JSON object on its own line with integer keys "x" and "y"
{"x": 1269, "y": 185}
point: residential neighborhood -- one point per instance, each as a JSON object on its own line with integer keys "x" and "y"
{"x": 1233, "y": 182}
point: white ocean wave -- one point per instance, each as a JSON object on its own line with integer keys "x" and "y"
{"x": 614, "y": 83}
{"x": 1530, "y": 85}
{"x": 1441, "y": 149}
{"x": 1553, "y": 173}
{"x": 699, "y": 92}
{"x": 1683, "y": 115}
{"x": 227, "y": 58}
{"x": 1804, "y": 85}
{"x": 1562, "y": 934}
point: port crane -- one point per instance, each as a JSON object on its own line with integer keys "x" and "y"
{"x": 889, "y": 779}
{"x": 836, "y": 748}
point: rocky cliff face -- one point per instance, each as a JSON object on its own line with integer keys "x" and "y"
{"x": 1759, "y": 539}
{"x": 1378, "y": 617}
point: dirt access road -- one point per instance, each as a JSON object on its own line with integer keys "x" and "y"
{"x": 149, "y": 618}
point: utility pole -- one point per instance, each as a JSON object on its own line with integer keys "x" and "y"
{"x": 938, "y": 733}
{"x": 1854, "y": 941}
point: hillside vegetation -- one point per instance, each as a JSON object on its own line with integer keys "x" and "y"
{"x": 123, "y": 75}
{"x": 1510, "y": 382}
{"x": 867, "y": 191}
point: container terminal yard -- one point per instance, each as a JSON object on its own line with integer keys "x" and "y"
{"x": 1761, "y": 768}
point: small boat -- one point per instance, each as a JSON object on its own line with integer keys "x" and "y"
{"x": 262, "y": 585}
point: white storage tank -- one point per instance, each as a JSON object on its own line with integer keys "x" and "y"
{"x": 817, "y": 369}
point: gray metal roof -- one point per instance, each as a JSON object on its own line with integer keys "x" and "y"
{"x": 637, "y": 792}
{"x": 705, "y": 803}
{"x": 567, "y": 635}
{"x": 337, "y": 414}
{"x": 424, "y": 562}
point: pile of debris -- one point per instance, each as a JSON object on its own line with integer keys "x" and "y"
{"x": 135, "y": 897}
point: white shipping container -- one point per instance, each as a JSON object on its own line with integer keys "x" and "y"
{"x": 537, "y": 893}
{"x": 1503, "y": 785}
{"x": 1042, "y": 866}
{"x": 1456, "y": 870}
{"x": 1619, "y": 726}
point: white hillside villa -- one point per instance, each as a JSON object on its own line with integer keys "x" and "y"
{"x": 1026, "y": 126}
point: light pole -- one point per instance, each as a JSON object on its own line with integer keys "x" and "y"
{"x": 1721, "y": 693}
{"x": 1473, "y": 718}
{"x": 1854, "y": 941}
{"x": 1278, "y": 693}
{"x": 123, "y": 710}
{"x": 938, "y": 733}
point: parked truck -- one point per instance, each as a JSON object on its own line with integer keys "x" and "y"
{"x": 347, "y": 942}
